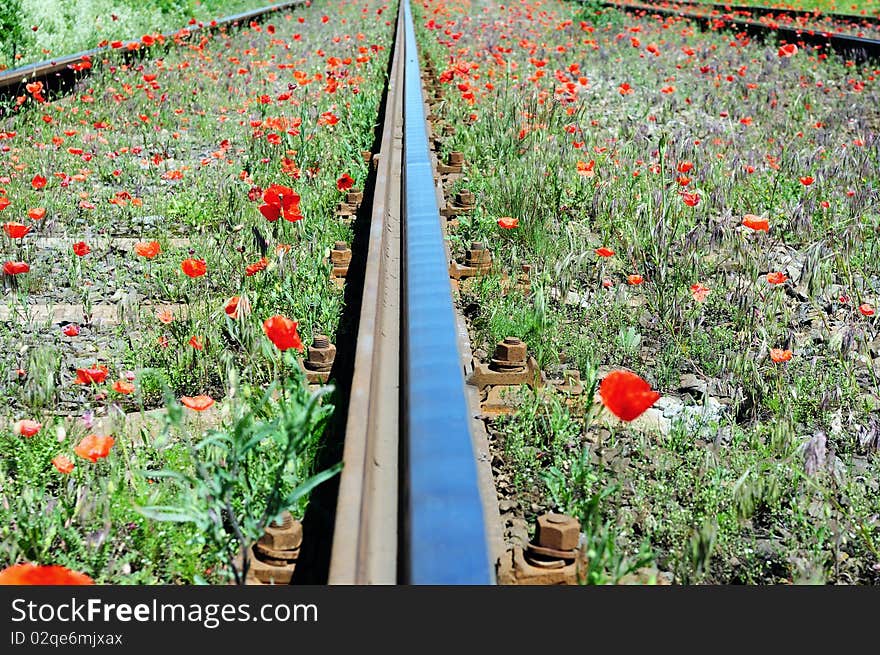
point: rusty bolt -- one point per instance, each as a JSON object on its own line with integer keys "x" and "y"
{"x": 354, "y": 196}
{"x": 456, "y": 158}
{"x": 558, "y": 531}
{"x": 510, "y": 353}
{"x": 286, "y": 536}
{"x": 367, "y": 155}
{"x": 320, "y": 354}
{"x": 477, "y": 256}
{"x": 340, "y": 255}
{"x": 464, "y": 197}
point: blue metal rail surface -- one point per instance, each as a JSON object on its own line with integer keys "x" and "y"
{"x": 445, "y": 535}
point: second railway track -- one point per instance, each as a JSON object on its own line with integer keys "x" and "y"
{"x": 857, "y": 48}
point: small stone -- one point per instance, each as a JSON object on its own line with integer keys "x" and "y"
{"x": 507, "y": 505}
{"x": 653, "y": 420}
{"x": 690, "y": 383}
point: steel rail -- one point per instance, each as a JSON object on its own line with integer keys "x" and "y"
{"x": 444, "y": 532}
{"x": 860, "y": 49}
{"x": 14, "y": 79}
{"x": 365, "y": 535}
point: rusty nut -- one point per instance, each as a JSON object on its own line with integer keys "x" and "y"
{"x": 465, "y": 197}
{"x": 511, "y": 350}
{"x": 478, "y": 256}
{"x": 287, "y": 536}
{"x": 321, "y": 353}
{"x": 558, "y": 531}
{"x": 341, "y": 254}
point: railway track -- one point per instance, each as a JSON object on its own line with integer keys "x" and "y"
{"x": 410, "y": 506}
{"x": 856, "y": 48}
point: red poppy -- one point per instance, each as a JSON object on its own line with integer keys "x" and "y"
{"x": 508, "y": 222}
{"x": 684, "y": 167}
{"x": 700, "y": 292}
{"x": 38, "y": 181}
{"x": 37, "y": 213}
{"x": 165, "y": 316}
{"x": 81, "y": 249}
{"x": 15, "y": 268}
{"x": 197, "y": 342}
{"x": 71, "y": 330}
{"x": 197, "y": 403}
{"x": 756, "y": 223}
{"x": 123, "y": 387}
{"x": 34, "y": 574}
{"x": 147, "y": 249}
{"x": 194, "y": 267}
{"x": 807, "y": 180}
{"x": 256, "y": 267}
{"x": 4, "y": 203}
{"x": 586, "y": 169}
{"x": 776, "y": 278}
{"x": 691, "y": 199}
{"x": 63, "y": 464}
{"x": 94, "y": 447}
{"x": 236, "y": 306}
{"x": 280, "y": 202}
{"x": 787, "y": 50}
{"x": 95, "y": 375}
{"x": 26, "y": 427}
{"x": 626, "y": 395}
{"x": 604, "y": 252}
{"x": 778, "y": 355}
{"x": 15, "y": 230}
{"x": 282, "y": 332}
{"x": 635, "y": 279}
{"x": 345, "y": 182}
{"x": 866, "y": 309}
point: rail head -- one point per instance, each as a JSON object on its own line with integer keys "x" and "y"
{"x": 445, "y": 533}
